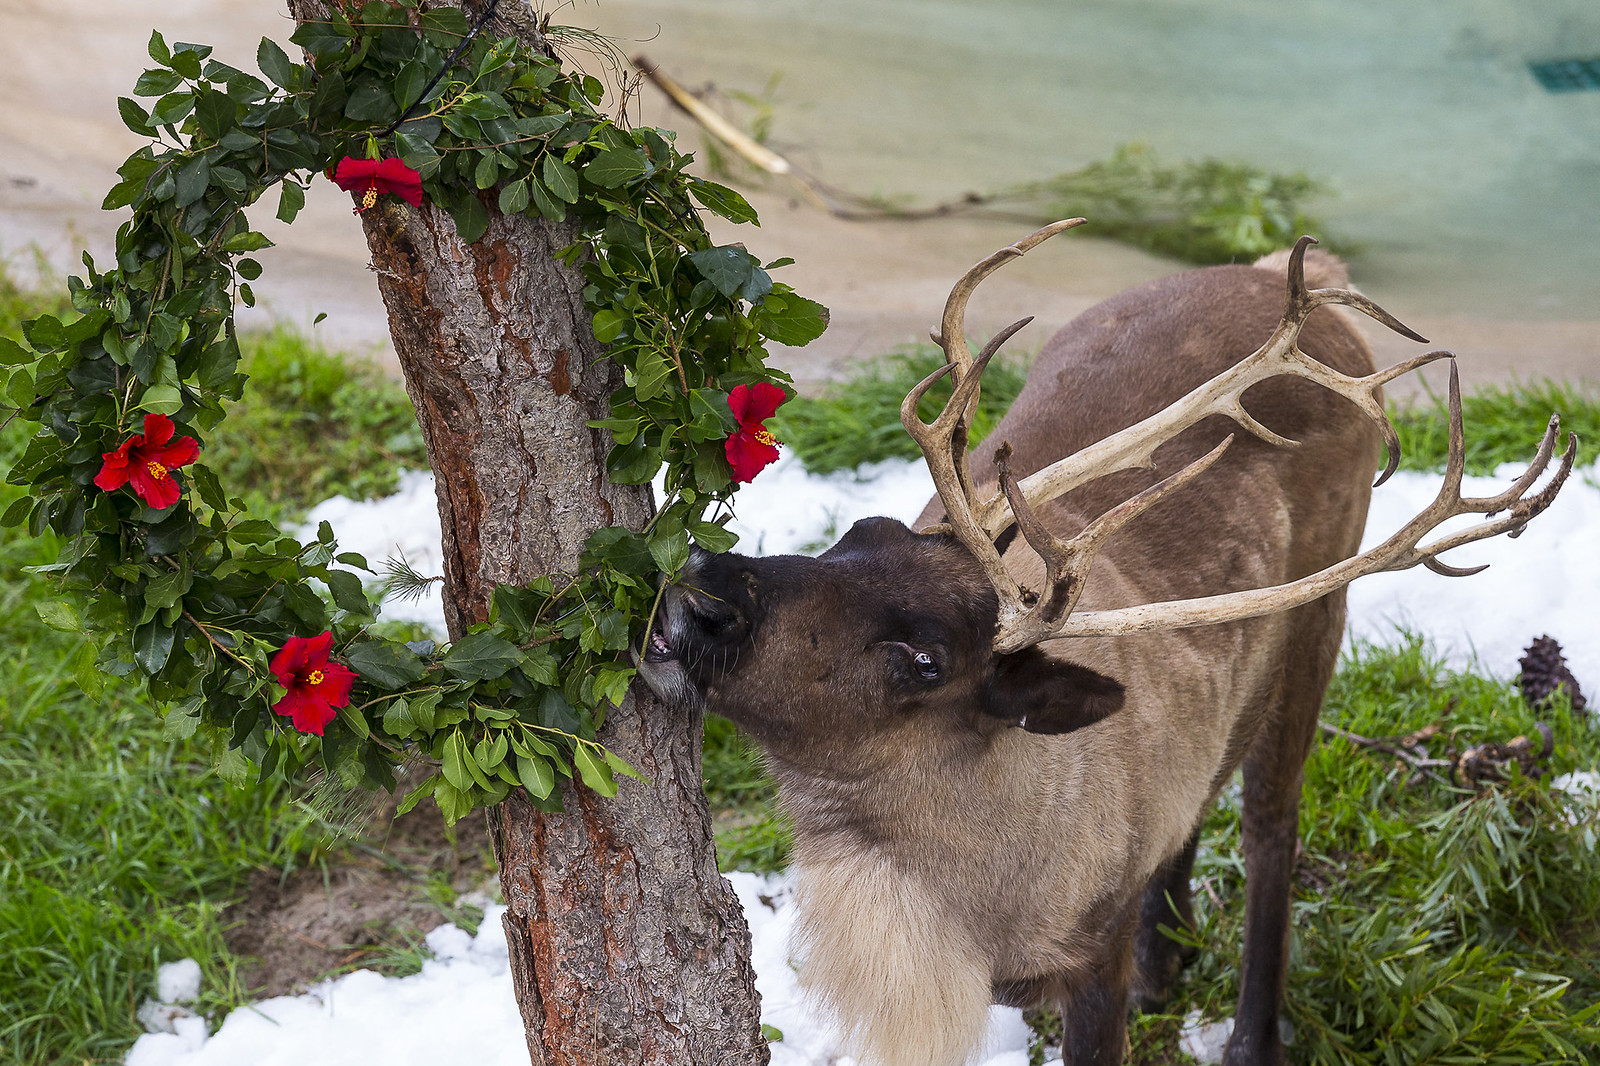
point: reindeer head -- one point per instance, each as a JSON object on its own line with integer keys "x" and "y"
{"x": 888, "y": 630}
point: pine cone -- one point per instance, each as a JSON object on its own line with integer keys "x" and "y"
{"x": 1544, "y": 669}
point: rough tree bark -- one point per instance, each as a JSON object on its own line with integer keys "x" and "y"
{"x": 627, "y": 946}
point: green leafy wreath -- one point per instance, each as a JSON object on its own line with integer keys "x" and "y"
{"x": 220, "y": 613}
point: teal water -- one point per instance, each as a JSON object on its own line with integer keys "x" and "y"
{"x": 1468, "y": 187}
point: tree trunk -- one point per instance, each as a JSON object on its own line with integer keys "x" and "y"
{"x": 627, "y": 946}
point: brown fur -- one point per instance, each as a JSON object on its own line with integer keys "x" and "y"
{"x": 947, "y": 855}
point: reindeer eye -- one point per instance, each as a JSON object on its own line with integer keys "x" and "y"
{"x": 925, "y": 665}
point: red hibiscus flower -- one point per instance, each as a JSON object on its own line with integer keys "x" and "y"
{"x": 147, "y": 462}
{"x": 753, "y": 447}
{"x": 316, "y": 688}
{"x": 369, "y": 177}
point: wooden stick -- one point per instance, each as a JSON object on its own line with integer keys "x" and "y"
{"x": 719, "y": 127}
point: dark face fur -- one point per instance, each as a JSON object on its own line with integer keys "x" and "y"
{"x": 887, "y": 630}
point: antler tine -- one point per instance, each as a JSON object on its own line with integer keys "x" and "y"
{"x": 952, "y": 333}
{"x": 1067, "y": 562}
{"x": 1222, "y": 395}
{"x": 952, "y": 336}
{"x": 1401, "y": 551}
{"x": 944, "y": 441}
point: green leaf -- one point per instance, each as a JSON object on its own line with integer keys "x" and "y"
{"x": 274, "y": 63}
{"x": 514, "y": 197}
{"x": 322, "y": 37}
{"x": 217, "y": 113}
{"x": 397, "y": 718}
{"x": 633, "y": 463}
{"x": 653, "y": 375}
{"x": 536, "y": 776}
{"x": 733, "y": 271}
{"x": 621, "y": 766}
{"x": 44, "y": 333}
{"x": 487, "y": 172}
{"x": 608, "y": 325}
{"x": 712, "y": 537}
{"x": 454, "y": 803}
{"x": 357, "y": 721}
{"x": 790, "y": 319}
{"x": 186, "y": 60}
{"x": 158, "y": 48}
{"x": 86, "y": 671}
{"x": 618, "y": 547}
{"x": 59, "y": 615}
{"x": 416, "y": 152}
{"x": 548, "y": 206}
{"x": 172, "y": 108}
{"x": 596, "y": 774}
{"x": 612, "y": 167}
{"x": 453, "y": 763}
{"x": 161, "y": 400}
{"x": 560, "y": 178}
{"x": 479, "y": 656}
{"x": 291, "y": 198}
{"x": 18, "y": 513}
{"x": 418, "y": 794}
{"x": 14, "y": 354}
{"x": 470, "y": 216}
{"x": 723, "y": 201}
{"x": 348, "y": 594}
{"x": 385, "y": 663}
{"x": 193, "y": 177}
{"x": 670, "y": 552}
{"x": 250, "y": 241}
{"x": 234, "y": 767}
{"x": 152, "y": 644}
{"x": 135, "y": 117}
{"x": 157, "y": 83}
{"x": 371, "y": 100}
{"x": 556, "y": 713}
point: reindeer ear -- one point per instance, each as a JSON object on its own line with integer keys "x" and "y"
{"x": 1038, "y": 694}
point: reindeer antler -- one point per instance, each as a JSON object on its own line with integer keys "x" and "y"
{"x": 1027, "y": 617}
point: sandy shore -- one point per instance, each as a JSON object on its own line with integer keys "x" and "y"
{"x": 61, "y": 70}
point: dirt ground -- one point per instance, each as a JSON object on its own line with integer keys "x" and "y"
{"x": 362, "y": 903}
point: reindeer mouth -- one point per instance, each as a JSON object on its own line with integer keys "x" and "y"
{"x": 657, "y": 649}
{"x": 662, "y": 669}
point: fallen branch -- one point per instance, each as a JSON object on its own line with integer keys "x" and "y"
{"x": 836, "y": 202}
{"x": 1415, "y": 757}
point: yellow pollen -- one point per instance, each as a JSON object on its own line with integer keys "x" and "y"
{"x": 764, "y": 436}
{"x": 314, "y": 677}
{"x": 370, "y": 198}
{"x": 157, "y": 470}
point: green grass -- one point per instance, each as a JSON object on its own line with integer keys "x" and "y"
{"x": 1210, "y": 211}
{"x": 858, "y": 420}
{"x": 1431, "y": 924}
{"x": 118, "y": 848}
{"x": 751, "y": 832}
{"x": 312, "y": 424}
{"x": 1503, "y": 424}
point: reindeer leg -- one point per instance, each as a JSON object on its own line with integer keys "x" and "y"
{"x": 1273, "y": 770}
{"x": 1158, "y": 959}
{"x": 1094, "y": 1007}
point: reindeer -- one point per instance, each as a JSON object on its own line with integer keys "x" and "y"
{"x": 997, "y": 751}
